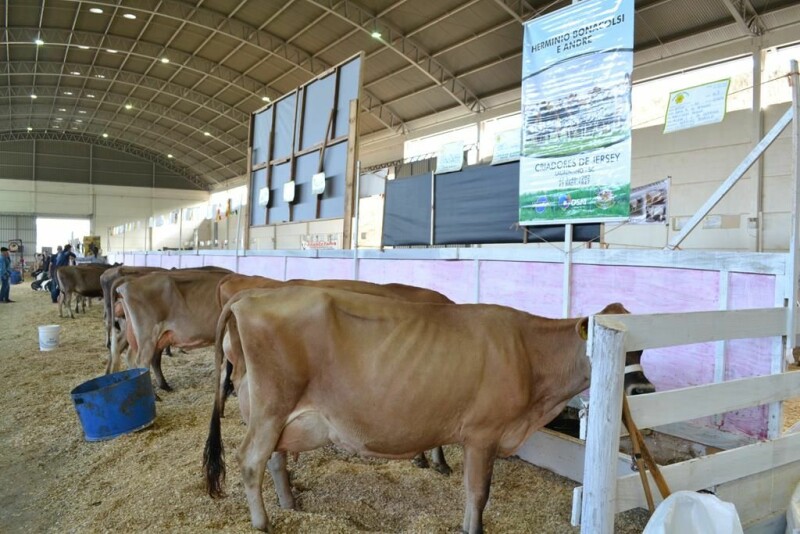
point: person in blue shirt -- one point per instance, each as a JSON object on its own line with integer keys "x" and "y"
{"x": 61, "y": 260}
{"x": 5, "y": 275}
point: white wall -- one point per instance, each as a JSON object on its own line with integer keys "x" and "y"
{"x": 104, "y": 205}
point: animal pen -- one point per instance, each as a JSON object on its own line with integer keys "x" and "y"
{"x": 726, "y": 374}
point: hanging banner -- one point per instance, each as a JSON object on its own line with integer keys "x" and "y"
{"x": 649, "y": 203}
{"x": 450, "y": 157}
{"x": 575, "y": 164}
{"x": 506, "y": 146}
{"x": 697, "y": 106}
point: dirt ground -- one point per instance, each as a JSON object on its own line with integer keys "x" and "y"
{"x": 54, "y": 481}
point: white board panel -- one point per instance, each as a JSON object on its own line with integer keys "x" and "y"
{"x": 676, "y": 405}
{"x": 670, "y": 329}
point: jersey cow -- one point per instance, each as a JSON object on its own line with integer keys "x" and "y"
{"x": 114, "y": 329}
{"x": 82, "y": 280}
{"x": 366, "y": 373}
{"x": 235, "y": 368}
{"x": 177, "y": 308}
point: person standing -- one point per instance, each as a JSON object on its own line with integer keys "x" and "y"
{"x": 5, "y": 275}
{"x": 62, "y": 259}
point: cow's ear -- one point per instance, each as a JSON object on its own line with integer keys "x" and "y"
{"x": 583, "y": 328}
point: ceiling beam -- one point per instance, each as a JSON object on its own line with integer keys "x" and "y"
{"x": 196, "y": 99}
{"x": 18, "y": 119}
{"x": 128, "y": 148}
{"x": 747, "y": 17}
{"x": 154, "y": 110}
{"x": 406, "y": 48}
{"x": 257, "y": 38}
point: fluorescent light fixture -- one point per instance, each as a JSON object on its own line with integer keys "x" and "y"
{"x": 68, "y": 93}
{"x": 30, "y": 129}
{"x": 62, "y": 109}
{"x": 39, "y": 42}
{"x": 59, "y": 119}
{"x": 75, "y": 73}
{"x": 89, "y": 96}
{"x": 207, "y": 134}
{"x": 169, "y": 156}
{"x": 96, "y": 10}
{"x": 78, "y": 120}
{"x": 34, "y": 97}
{"x": 83, "y": 47}
{"x": 100, "y": 76}
{"x": 129, "y": 16}
{"x": 56, "y": 126}
{"x": 265, "y": 98}
{"x": 82, "y": 111}
{"x": 128, "y": 106}
{"x": 105, "y": 135}
{"x": 375, "y": 34}
{"x": 164, "y": 60}
{"x": 111, "y": 51}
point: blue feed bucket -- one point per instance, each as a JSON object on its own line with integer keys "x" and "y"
{"x": 115, "y": 404}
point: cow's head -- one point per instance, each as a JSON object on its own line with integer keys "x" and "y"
{"x": 636, "y": 383}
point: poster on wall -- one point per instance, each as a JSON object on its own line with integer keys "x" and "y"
{"x": 450, "y": 157}
{"x": 649, "y": 203}
{"x": 697, "y": 106}
{"x": 506, "y": 146}
{"x": 575, "y": 163}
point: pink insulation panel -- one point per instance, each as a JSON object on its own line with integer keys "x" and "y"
{"x": 171, "y": 262}
{"x": 226, "y": 262}
{"x": 455, "y": 279}
{"x": 532, "y": 287}
{"x": 188, "y": 262}
{"x": 319, "y": 269}
{"x": 267, "y": 266}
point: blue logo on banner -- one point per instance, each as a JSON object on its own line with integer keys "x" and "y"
{"x": 541, "y": 204}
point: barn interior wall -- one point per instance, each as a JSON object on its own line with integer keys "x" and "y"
{"x": 698, "y": 160}
{"x": 289, "y": 236}
{"x": 105, "y": 205}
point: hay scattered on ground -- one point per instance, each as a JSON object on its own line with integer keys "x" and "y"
{"x": 54, "y": 481}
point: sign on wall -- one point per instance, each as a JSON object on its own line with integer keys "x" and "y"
{"x": 697, "y": 106}
{"x": 649, "y": 203}
{"x": 576, "y": 112}
{"x": 450, "y": 157}
{"x": 506, "y": 146}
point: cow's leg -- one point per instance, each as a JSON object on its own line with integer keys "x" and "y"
{"x": 420, "y": 461}
{"x": 169, "y": 351}
{"x": 478, "y": 465}
{"x": 256, "y": 448}
{"x": 439, "y": 462}
{"x": 226, "y": 386}
{"x": 280, "y": 477}
{"x": 155, "y": 365}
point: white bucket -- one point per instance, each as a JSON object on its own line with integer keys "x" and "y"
{"x": 48, "y": 336}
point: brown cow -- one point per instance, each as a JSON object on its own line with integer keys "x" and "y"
{"x": 235, "y": 368}
{"x": 177, "y": 308}
{"x": 83, "y": 280}
{"x": 106, "y": 281}
{"x": 365, "y": 373}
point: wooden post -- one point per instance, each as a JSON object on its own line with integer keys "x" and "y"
{"x": 350, "y": 198}
{"x": 793, "y": 266}
{"x": 605, "y": 419}
{"x": 566, "y": 293}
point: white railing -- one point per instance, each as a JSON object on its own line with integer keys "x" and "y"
{"x": 604, "y": 493}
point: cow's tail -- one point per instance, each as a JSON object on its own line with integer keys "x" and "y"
{"x": 214, "y": 453}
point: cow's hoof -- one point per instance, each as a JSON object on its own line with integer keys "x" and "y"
{"x": 420, "y": 461}
{"x": 444, "y": 469}
{"x": 165, "y": 387}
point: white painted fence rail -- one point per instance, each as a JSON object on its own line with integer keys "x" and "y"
{"x": 605, "y": 493}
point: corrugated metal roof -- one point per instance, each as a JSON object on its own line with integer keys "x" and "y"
{"x": 188, "y": 68}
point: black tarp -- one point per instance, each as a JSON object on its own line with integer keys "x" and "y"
{"x": 477, "y": 205}
{"x": 407, "y": 211}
